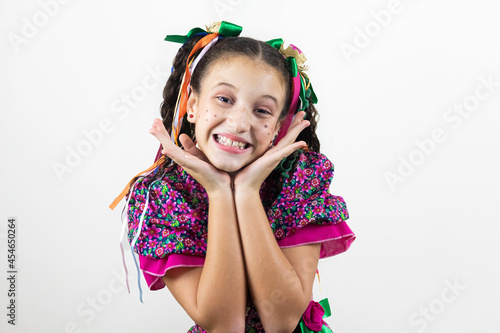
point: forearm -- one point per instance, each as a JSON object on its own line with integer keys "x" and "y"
{"x": 275, "y": 286}
{"x": 222, "y": 288}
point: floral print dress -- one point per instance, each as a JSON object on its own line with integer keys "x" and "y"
{"x": 172, "y": 214}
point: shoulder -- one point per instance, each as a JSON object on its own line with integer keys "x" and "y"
{"x": 317, "y": 160}
{"x": 304, "y": 199}
{"x": 308, "y": 172}
{"x": 174, "y": 183}
{"x": 171, "y": 214}
{"x": 312, "y": 168}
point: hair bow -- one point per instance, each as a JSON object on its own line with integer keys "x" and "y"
{"x": 222, "y": 28}
{"x": 301, "y": 85}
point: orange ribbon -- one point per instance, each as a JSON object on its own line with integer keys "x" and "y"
{"x": 187, "y": 80}
{"x": 126, "y": 189}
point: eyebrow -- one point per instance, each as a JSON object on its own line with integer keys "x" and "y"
{"x": 233, "y": 87}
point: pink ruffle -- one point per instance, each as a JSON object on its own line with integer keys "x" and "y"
{"x": 334, "y": 239}
{"x": 154, "y": 269}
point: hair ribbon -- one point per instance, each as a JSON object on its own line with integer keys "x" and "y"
{"x": 301, "y": 85}
{"x": 224, "y": 29}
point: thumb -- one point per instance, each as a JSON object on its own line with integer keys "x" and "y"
{"x": 190, "y": 147}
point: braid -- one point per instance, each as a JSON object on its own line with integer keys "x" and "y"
{"x": 308, "y": 135}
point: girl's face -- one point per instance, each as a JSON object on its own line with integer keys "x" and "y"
{"x": 236, "y": 112}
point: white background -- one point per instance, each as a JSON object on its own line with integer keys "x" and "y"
{"x": 426, "y": 258}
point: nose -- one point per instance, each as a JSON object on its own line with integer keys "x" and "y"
{"x": 239, "y": 119}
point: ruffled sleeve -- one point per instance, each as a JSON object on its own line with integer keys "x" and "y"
{"x": 305, "y": 212}
{"x": 172, "y": 213}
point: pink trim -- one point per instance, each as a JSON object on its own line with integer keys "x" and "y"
{"x": 159, "y": 153}
{"x": 291, "y": 110}
{"x": 154, "y": 269}
{"x": 334, "y": 239}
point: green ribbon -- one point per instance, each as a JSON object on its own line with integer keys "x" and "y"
{"x": 292, "y": 65}
{"x": 226, "y": 29}
{"x": 326, "y": 306}
{"x": 291, "y": 159}
{"x": 276, "y": 43}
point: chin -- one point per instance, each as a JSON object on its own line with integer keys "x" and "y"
{"x": 229, "y": 167}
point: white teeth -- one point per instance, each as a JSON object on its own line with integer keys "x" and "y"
{"x": 228, "y": 142}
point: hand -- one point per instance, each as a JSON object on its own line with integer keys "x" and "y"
{"x": 252, "y": 176}
{"x": 191, "y": 159}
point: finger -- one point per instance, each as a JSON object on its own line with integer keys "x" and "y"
{"x": 286, "y": 151}
{"x": 276, "y": 154}
{"x": 298, "y": 125}
{"x": 191, "y": 148}
{"x": 158, "y": 130}
{"x": 190, "y": 158}
{"x": 169, "y": 148}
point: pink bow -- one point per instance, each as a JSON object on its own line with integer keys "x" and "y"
{"x": 313, "y": 316}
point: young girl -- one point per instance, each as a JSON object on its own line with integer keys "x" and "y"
{"x": 236, "y": 211}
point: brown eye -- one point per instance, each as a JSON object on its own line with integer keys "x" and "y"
{"x": 263, "y": 111}
{"x": 223, "y": 99}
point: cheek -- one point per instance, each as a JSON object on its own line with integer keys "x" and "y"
{"x": 211, "y": 114}
{"x": 209, "y": 117}
{"x": 267, "y": 132}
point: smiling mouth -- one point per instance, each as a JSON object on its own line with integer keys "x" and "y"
{"x": 230, "y": 143}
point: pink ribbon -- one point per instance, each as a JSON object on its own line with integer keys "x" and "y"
{"x": 313, "y": 316}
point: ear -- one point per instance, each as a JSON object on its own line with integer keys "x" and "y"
{"x": 192, "y": 107}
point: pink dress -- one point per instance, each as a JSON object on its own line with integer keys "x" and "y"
{"x": 299, "y": 208}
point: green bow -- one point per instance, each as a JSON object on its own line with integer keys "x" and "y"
{"x": 306, "y": 89}
{"x": 325, "y": 329}
{"x": 224, "y": 28}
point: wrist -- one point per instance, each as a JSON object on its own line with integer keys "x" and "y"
{"x": 218, "y": 193}
{"x": 246, "y": 187}
{"x": 246, "y": 192}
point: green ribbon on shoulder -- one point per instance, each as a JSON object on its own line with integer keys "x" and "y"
{"x": 225, "y": 29}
